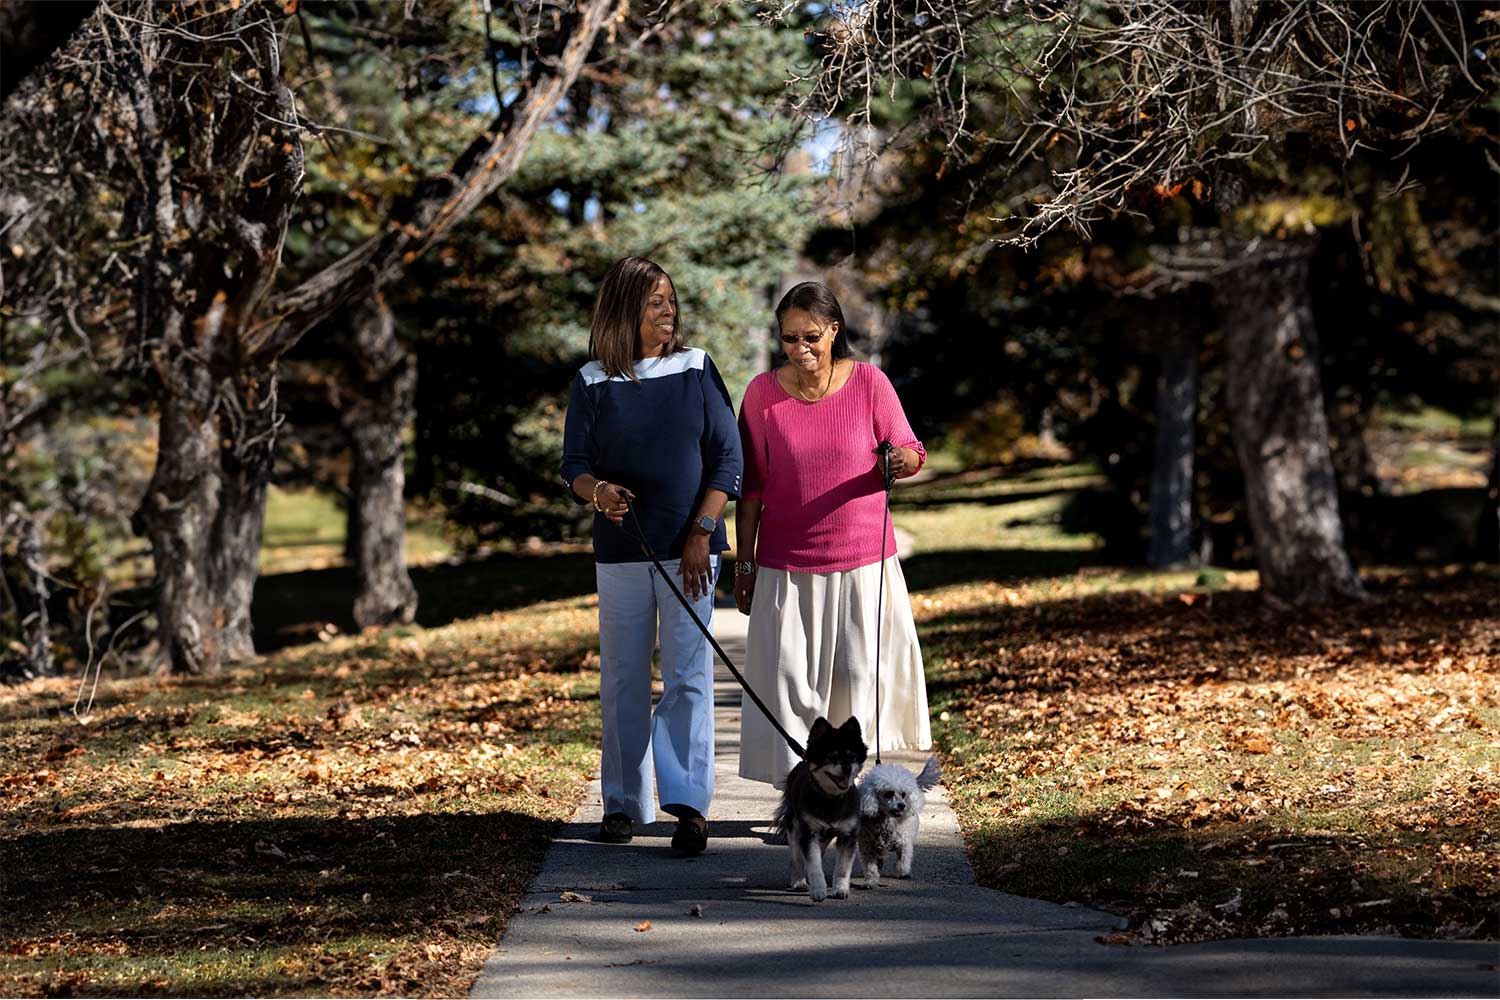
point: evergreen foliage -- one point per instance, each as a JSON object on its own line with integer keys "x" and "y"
{"x": 665, "y": 152}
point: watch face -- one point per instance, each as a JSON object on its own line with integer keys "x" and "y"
{"x": 707, "y": 523}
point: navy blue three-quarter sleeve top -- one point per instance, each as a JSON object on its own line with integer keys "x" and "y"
{"x": 669, "y": 438}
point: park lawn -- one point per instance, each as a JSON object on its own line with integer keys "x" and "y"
{"x": 352, "y": 817}
{"x": 1166, "y": 747}
{"x": 305, "y": 531}
{"x": 361, "y": 815}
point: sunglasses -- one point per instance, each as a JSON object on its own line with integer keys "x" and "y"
{"x": 809, "y": 338}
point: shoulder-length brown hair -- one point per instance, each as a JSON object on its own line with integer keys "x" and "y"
{"x": 615, "y": 330}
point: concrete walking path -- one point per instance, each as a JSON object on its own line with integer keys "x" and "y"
{"x": 937, "y": 935}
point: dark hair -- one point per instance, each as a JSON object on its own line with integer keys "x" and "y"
{"x": 815, "y": 298}
{"x": 615, "y": 329}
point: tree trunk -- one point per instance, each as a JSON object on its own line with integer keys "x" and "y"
{"x": 1281, "y": 431}
{"x": 352, "y": 522}
{"x": 1171, "y": 517}
{"x": 1349, "y": 413}
{"x": 380, "y": 397}
{"x": 31, "y": 608}
{"x": 1488, "y": 535}
{"x": 229, "y": 180}
{"x": 177, "y": 514}
{"x": 1348, "y": 419}
{"x": 219, "y": 187}
{"x": 246, "y": 451}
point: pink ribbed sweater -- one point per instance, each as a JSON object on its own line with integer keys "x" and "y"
{"x": 814, "y": 469}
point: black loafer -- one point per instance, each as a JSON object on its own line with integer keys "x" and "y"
{"x": 689, "y": 837}
{"x": 616, "y": 829}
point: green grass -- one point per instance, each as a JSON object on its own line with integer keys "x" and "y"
{"x": 1432, "y": 422}
{"x": 305, "y": 530}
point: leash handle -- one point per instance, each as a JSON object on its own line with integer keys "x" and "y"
{"x": 797, "y": 748}
{"x": 885, "y": 450}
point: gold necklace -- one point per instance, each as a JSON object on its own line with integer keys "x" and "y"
{"x": 813, "y": 399}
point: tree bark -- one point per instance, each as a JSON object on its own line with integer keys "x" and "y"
{"x": 246, "y": 451}
{"x": 177, "y": 515}
{"x": 31, "y": 608}
{"x": 1281, "y": 431}
{"x": 1171, "y": 515}
{"x": 229, "y": 182}
{"x": 379, "y": 397}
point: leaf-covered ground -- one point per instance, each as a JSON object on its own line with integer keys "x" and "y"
{"x": 361, "y": 815}
{"x": 1216, "y": 770}
{"x": 357, "y": 816}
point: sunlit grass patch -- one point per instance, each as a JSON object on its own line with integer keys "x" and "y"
{"x": 305, "y": 529}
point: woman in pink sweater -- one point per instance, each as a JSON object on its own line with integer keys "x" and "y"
{"x": 808, "y": 527}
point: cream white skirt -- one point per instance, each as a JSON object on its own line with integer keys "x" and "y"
{"x": 811, "y": 652}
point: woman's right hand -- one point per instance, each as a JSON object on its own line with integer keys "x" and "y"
{"x": 612, "y": 499}
{"x": 744, "y": 590}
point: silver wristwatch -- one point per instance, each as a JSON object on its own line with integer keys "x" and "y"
{"x": 707, "y": 523}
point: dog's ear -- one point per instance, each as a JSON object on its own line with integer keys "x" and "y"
{"x": 869, "y": 801}
{"x": 852, "y": 726}
{"x": 931, "y": 772}
{"x": 819, "y": 729}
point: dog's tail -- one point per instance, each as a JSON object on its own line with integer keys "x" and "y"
{"x": 931, "y": 772}
{"x": 779, "y": 817}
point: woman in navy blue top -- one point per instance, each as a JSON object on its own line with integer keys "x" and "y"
{"x": 650, "y": 421}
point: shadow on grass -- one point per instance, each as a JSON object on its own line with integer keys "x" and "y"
{"x": 927, "y": 500}
{"x": 289, "y": 607}
{"x": 927, "y": 570}
{"x": 280, "y": 896}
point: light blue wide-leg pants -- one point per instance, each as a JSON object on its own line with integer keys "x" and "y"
{"x": 677, "y": 741}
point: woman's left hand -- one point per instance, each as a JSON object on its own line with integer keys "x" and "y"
{"x": 697, "y": 579}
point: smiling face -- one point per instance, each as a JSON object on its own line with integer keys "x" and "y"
{"x": 658, "y": 319}
{"x": 813, "y": 358}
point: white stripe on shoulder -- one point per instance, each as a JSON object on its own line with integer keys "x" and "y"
{"x": 592, "y": 372}
{"x": 688, "y": 359}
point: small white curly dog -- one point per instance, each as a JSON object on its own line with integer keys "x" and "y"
{"x": 890, "y": 807}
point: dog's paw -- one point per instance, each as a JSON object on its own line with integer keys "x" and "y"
{"x": 817, "y": 894}
{"x": 872, "y": 881}
{"x": 798, "y": 884}
{"x": 841, "y": 891}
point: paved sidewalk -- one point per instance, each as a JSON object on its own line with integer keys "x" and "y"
{"x": 936, "y": 935}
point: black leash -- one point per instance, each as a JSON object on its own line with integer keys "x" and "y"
{"x": 797, "y": 748}
{"x": 890, "y": 480}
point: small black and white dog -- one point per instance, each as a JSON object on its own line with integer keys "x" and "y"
{"x": 820, "y": 806}
{"x": 890, "y": 812}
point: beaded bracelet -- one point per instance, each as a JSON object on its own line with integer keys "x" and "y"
{"x": 599, "y": 484}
